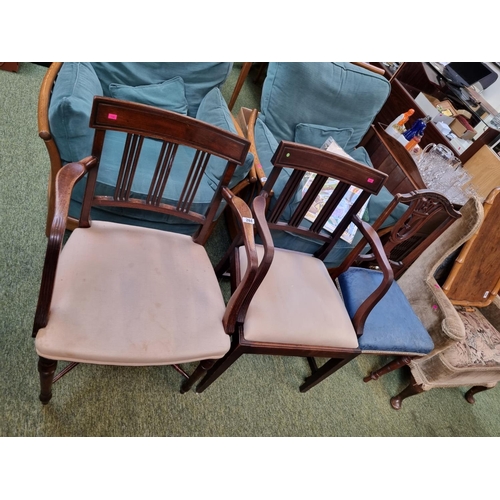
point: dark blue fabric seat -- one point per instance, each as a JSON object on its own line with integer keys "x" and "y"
{"x": 392, "y": 327}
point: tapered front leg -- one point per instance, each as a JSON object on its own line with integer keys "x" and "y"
{"x": 46, "y": 370}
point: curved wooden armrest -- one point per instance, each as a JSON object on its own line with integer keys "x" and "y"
{"x": 44, "y": 100}
{"x": 67, "y": 177}
{"x": 259, "y": 171}
{"x": 243, "y": 215}
{"x": 44, "y": 133}
{"x": 251, "y": 176}
{"x": 373, "y": 239}
{"x": 370, "y": 67}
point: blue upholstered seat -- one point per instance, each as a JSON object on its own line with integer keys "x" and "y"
{"x": 392, "y": 327}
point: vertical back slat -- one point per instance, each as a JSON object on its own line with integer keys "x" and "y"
{"x": 308, "y": 199}
{"x": 193, "y": 181}
{"x": 162, "y": 173}
{"x": 286, "y": 195}
{"x": 130, "y": 158}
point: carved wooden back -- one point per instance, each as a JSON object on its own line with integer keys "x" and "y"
{"x": 172, "y": 130}
{"x": 428, "y": 215}
{"x": 303, "y": 159}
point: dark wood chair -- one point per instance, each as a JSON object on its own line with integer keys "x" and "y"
{"x": 297, "y": 309}
{"x": 127, "y": 295}
{"x": 395, "y": 328}
{"x": 428, "y": 215}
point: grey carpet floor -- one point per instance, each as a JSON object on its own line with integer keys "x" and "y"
{"x": 257, "y": 396}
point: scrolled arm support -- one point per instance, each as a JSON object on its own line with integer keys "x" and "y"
{"x": 388, "y": 275}
{"x": 66, "y": 178}
{"x": 244, "y": 217}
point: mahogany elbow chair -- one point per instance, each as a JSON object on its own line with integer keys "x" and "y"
{"x": 297, "y": 309}
{"x": 118, "y": 294}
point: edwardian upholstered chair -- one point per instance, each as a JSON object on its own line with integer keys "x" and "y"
{"x": 307, "y": 103}
{"x": 297, "y": 310}
{"x": 467, "y": 341}
{"x": 126, "y": 295}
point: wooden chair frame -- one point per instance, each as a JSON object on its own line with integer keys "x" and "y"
{"x": 139, "y": 121}
{"x": 302, "y": 159}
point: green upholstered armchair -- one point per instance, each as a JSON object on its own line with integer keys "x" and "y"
{"x": 65, "y": 103}
{"x": 307, "y": 103}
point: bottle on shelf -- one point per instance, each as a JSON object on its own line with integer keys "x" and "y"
{"x": 413, "y": 143}
{"x": 417, "y": 128}
{"x": 397, "y": 126}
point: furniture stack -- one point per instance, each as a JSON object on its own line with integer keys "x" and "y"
{"x": 145, "y": 158}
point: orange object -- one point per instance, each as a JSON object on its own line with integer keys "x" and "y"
{"x": 413, "y": 142}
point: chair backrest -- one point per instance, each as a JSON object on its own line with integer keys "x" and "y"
{"x": 428, "y": 215}
{"x": 343, "y": 198}
{"x": 308, "y": 101}
{"x": 175, "y": 135}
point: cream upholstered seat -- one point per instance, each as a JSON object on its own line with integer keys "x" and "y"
{"x": 296, "y": 289}
{"x": 121, "y": 294}
{"x": 112, "y": 306}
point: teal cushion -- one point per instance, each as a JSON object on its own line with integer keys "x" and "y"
{"x": 213, "y": 109}
{"x": 266, "y": 145}
{"x": 199, "y": 77}
{"x": 167, "y": 95}
{"x": 316, "y": 135}
{"x": 69, "y": 110}
{"x": 334, "y": 94}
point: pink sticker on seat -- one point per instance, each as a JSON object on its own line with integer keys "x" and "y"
{"x": 112, "y": 116}
{"x": 370, "y": 180}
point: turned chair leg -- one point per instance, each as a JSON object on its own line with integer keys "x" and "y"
{"x": 46, "y": 370}
{"x": 469, "y": 395}
{"x": 412, "y": 389}
{"x": 389, "y": 367}
{"x": 200, "y": 370}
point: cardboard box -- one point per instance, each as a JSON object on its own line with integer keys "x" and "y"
{"x": 443, "y": 118}
{"x": 461, "y": 131}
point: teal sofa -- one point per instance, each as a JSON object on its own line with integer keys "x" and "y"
{"x": 192, "y": 89}
{"x": 308, "y": 103}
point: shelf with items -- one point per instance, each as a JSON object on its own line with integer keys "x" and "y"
{"x": 408, "y": 84}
